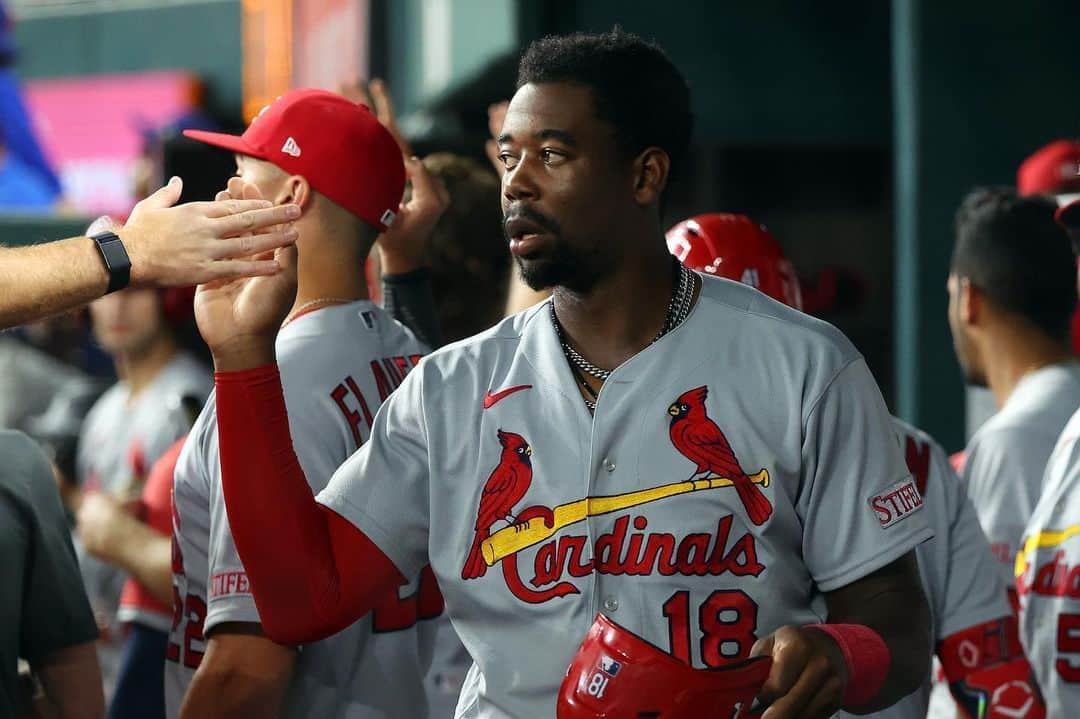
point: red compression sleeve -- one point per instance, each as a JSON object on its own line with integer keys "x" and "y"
{"x": 867, "y": 656}
{"x": 311, "y": 571}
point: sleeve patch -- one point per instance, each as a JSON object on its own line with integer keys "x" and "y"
{"x": 224, "y": 584}
{"x": 896, "y": 503}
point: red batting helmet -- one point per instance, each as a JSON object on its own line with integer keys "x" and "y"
{"x": 736, "y": 247}
{"x": 617, "y": 675}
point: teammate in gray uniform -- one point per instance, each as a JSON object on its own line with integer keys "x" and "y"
{"x": 714, "y": 493}
{"x": 127, "y": 430}
{"x": 1048, "y": 559}
{"x": 974, "y": 631}
{"x": 1011, "y": 296}
{"x": 341, "y": 356}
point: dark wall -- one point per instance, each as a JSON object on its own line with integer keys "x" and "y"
{"x": 203, "y": 38}
{"x": 767, "y": 71}
{"x": 983, "y": 84}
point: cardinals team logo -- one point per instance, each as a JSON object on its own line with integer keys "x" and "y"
{"x": 696, "y": 437}
{"x": 702, "y": 442}
{"x": 506, "y": 486}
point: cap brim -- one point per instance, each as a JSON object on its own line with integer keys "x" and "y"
{"x": 235, "y": 143}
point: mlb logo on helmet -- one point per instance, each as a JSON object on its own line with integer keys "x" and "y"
{"x": 609, "y": 666}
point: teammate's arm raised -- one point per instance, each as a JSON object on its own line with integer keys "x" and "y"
{"x": 303, "y": 573}
{"x": 242, "y": 674}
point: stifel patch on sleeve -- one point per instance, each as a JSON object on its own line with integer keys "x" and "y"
{"x": 896, "y": 502}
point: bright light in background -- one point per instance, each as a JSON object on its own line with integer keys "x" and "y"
{"x": 436, "y": 32}
{"x": 267, "y": 42}
{"x": 301, "y": 43}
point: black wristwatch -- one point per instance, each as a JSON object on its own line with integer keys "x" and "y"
{"x": 115, "y": 258}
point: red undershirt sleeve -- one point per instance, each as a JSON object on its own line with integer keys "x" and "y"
{"x": 312, "y": 572}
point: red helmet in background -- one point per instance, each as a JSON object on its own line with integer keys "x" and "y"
{"x": 736, "y": 247}
{"x": 617, "y": 675}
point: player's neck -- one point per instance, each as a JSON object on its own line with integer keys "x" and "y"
{"x": 621, "y": 314}
{"x": 333, "y": 271}
{"x": 138, "y": 370}
{"x": 1014, "y": 353}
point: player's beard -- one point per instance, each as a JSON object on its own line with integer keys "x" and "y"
{"x": 563, "y": 263}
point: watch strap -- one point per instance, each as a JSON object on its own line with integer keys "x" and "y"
{"x": 116, "y": 259}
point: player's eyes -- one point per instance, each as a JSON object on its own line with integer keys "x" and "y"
{"x": 551, "y": 157}
{"x": 509, "y": 161}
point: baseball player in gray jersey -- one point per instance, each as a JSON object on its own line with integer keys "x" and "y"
{"x": 1011, "y": 296}
{"x": 974, "y": 631}
{"x": 713, "y": 492}
{"x": 127, "y": 430}
{"x": 1048, "y": 559}
{"x": 341, "y": 356}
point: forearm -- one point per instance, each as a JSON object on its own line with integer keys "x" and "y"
{"x": 409, "y": 299}
{"x": 312, "y": 573}
{"x": 227, "y": 685}
{"x": 895, "y": 608}
{"x": 71, "y": 680}
{"x": 50, "y": 278}
{"x": 146, "y": 556}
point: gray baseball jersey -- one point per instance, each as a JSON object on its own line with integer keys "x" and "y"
{"x": 1048, "y": 579}
{"x": 799, "y": 487}
{"x": 120, "y": 437}
{"x": 337, "y": 366}
{"x": 962, "y": 582}
{"x": 1007, "y": 456}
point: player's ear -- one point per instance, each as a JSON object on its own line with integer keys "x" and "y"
{"x": 295, "y": 190}
{"x": 970, "y": 302}
{"x": 651, "y": 170}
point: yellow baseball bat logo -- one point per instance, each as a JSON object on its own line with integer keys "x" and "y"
{"x": 1042, "y": 540}
{"x": 511, "y": 540}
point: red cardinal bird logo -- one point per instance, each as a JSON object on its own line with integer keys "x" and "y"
{"x": 508, "y": 483}
{"x": 699, "y": 439}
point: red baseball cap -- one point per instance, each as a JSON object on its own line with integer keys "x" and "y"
{"x": 337, "y": 145}
{"x": 1052, "y": 169}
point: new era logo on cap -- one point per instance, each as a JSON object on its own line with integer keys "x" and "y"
{"x": 388, "y": 217}
{"x": 291, "y": 148}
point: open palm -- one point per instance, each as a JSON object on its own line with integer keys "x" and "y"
{"x": 231, "y": 312}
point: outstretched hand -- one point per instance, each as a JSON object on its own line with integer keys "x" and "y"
{"x": 239, "y": 318}
{"x": 184, "y": 245}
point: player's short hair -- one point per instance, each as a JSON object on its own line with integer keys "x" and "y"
{"x": 1011, "y": 248}
{"x": 470, "y": 268}
{"x": 635, "y": 86}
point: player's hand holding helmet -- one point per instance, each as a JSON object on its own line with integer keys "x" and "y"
{"x": 235, "y": 316}
{"x": 617, "y": 675}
